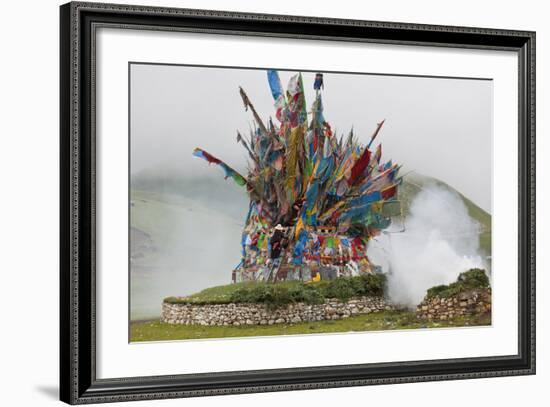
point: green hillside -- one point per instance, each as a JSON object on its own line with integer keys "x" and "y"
{"x": 412, "y": 185}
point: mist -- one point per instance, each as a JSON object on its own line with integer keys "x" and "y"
{"x": 431, "y": 124}
{"x": 439, "y": 240}
{"x": 183, "y": 240}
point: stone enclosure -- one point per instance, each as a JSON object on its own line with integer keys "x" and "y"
{"x": 259, "y": 314}
{"x": 467, "y": 303}
{"x": 464, "y": 304}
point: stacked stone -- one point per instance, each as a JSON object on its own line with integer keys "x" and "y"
{"x": 258, "y": 314}
{"x": 467, "y": 303}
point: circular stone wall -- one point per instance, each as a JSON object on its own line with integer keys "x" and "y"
{"x": 259, "y": 314}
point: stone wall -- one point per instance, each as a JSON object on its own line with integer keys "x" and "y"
{"x": 259, "y": 314}
{"x": 467, "y": 303}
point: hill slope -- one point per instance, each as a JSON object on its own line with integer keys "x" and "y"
{"x": 413, "y": 184}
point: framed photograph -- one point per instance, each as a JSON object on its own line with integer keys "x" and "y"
{"x": 255, "y": 203}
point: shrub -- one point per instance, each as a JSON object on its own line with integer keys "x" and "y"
{"x": 468, "y": 280}
{"x": 373, "y": 284}
{"x": 241, "y": 295}
{"x": 474, "y": 278}
{"x": 306, "y": 293}
{"x": 342, "y": 288}
{"x": 275, "y": 295}
{"x": 437, "y": 290}
{"x": 272, "y": 295}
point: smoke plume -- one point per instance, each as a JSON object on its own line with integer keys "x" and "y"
{"x": 440, "y": 240}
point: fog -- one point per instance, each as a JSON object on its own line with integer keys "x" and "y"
{"x": 194, "y": 245}
{"x": 436, "y": 126}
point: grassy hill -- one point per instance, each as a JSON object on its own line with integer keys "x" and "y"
{"x": 413, "y": 184}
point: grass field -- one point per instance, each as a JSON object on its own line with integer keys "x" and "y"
{"x": 377, "y": 321}
{"x": 220, "y": 294}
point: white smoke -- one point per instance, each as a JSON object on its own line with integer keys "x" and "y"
{"x": 440, "y": 240}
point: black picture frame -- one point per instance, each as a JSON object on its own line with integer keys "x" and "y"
{"x": 78, "y": 382}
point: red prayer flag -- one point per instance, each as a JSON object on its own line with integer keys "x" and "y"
{"x": 389, "y": 192}
{"x": 359, "y": 166}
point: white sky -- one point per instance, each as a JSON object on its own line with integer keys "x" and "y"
{"x": 436, "y": 126}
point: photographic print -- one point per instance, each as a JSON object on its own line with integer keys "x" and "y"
{"x": 283, "y": 202}
{"x": 358, "y": 193}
